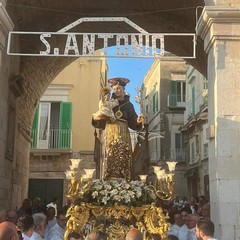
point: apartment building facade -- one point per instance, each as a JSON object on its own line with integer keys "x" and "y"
{"x": 196, "y": 133}
{"x": 163, "y": 99}
{"x": 62, "y": 127}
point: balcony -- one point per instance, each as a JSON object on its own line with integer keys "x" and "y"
{"x": 176, "y": 101}
{"x": 52, "y": 139}
{"x": 177, "y": 154}
{"x": 193, "y": 107}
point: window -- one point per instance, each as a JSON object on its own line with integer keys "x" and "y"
{"x": 178, "y": 141}
{"x": 179, "y": 146}
{"x": 193, "y": 100}
{"x": 155, "y": 102}
{"x": 52, "y": 125}
{"x": 181, "y": 91}
{"x": 177, "y": 97}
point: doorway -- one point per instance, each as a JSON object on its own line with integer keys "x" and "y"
{"x": 46, "y": 189}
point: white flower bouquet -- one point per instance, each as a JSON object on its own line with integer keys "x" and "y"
{"x": 134, "y": 193}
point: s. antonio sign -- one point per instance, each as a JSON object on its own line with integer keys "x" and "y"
{"x": 73, "y": 44}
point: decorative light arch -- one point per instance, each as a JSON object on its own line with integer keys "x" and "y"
{"x": 132, "y": 45}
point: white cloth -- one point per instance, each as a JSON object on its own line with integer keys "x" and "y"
{"x": 174, "y": 230}
{"x": 25, "y": 237}
{"x": 211, "y": 239}
{"x": 56, "y": 233}
{"x": 36, "y": 236}
{"x": 54, "y": 205}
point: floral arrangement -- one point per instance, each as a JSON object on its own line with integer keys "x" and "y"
{"x": 134, "y": 193}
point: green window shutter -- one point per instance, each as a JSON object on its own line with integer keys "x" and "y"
{"x": 65, "y": 125}
{"x": 173, "y": 95}
{"x": 193, "y": 100}
{"x": 35, "y": 128}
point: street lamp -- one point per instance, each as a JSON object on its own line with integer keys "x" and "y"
{"x": 77, "y": 186}
{"x": 164, "y": 185}
{"x": 89, "y": 173}
{"x": 171, "y": 166}
{"x": 75, "y": 163}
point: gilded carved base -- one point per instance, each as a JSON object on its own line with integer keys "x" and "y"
{"x": 113, "y": 222}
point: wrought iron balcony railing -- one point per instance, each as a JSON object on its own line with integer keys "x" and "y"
{"x": 177, "y": 154}
{"x": 52, "y": 139}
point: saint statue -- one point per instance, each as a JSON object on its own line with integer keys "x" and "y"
{"x": 118, "y": 152}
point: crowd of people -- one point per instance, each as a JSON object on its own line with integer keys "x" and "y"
{"x": 33, "y": 221}
{"x": 190, "y": 220}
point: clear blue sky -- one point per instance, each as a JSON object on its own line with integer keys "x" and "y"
{"x": 134, "y": 69}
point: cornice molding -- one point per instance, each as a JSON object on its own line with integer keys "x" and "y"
{"x": 217, "y": 15}
{"x": 6, "y": 23}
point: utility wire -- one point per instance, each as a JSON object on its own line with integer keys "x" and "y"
{"x": 94, "y": 14}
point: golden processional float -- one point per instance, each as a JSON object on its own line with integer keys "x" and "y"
{"x": 112, "y": 207}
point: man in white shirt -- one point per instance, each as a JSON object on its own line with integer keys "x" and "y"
{"x": 187, "y": 232}
{"x": 58, "y": 230}
{"x": 205, "y": 230}
{"x": 39, "y": 220}
{"x": 53, "y": 204}
{"x": 177, "y": 224}
{"x": 51, "y": 221}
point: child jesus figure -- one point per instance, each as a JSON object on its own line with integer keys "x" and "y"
{"x": 106, "y": 105}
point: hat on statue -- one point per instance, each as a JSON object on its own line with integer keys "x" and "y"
{"x": 118, "y": 81}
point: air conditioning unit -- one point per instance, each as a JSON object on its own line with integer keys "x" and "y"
{"x": 210, "y": 132}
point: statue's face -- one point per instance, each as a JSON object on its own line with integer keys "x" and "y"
{"x": 119, "y": 91}
{"x": 107, "y": 97}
